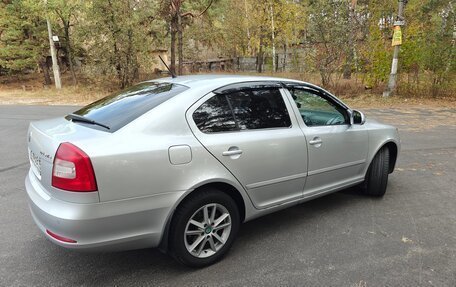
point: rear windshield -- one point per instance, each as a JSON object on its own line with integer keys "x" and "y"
{"x": 117, "y": 110}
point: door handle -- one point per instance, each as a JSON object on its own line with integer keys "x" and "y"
{"x": 232, "y": 152}
{"x": 315, "y": 141}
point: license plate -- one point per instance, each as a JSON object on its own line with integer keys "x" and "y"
{"x": 35, "y": 164}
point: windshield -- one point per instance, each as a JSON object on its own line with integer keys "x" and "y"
{"x": 121, "y": 108}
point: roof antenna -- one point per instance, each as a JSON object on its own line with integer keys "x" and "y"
{"x": 169, "y": 70}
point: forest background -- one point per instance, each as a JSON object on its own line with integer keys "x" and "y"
{"x": 343, "y": 45}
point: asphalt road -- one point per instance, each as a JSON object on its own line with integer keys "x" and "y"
{"x": 407, "y": 238}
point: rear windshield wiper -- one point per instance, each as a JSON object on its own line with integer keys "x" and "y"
{"x": 78, "y": 118}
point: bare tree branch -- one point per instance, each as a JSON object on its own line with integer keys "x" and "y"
{"x": 200, "y": 14}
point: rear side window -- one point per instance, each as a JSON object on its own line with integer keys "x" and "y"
{"x": 243, "y": 110}
{"x": 215, "y": 116}
{"x": 119, "y": 109}
{"x": 259, "y": 109}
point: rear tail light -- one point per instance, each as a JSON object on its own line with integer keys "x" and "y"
{"x": 73, "y": 170}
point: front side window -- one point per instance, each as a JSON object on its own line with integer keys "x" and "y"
{"x": 243, "y": 110}
{"x": 316, "y": 110}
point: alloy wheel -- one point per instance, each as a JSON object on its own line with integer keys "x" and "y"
{"x": 207, "y": 230}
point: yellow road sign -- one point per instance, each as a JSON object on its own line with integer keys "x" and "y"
{"x": 397, "y": 36}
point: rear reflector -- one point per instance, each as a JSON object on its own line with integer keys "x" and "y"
{"x": 72, "y": 170}
{"x": 60, "y": 238}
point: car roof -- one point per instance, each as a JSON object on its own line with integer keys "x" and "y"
{"x": 219, "y": 80}
{"x": 210, "y": 82}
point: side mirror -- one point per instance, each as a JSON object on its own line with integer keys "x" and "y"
{"x": 358, "y": 117}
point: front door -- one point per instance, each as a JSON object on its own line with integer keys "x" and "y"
{"x": 252, "y": 133}
{"x": 337, "y": 150}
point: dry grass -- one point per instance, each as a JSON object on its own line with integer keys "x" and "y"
{"x": 66, "y": 96}
{"x": 29, "y": 90}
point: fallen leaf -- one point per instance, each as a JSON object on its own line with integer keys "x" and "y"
{"x": 406, "y": 240}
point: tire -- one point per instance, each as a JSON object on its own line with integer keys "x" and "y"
{"x": 377, "y": 175}
{"x": 220, "y": 226}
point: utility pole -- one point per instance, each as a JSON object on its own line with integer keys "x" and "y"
{"x": 392, "y": 79}
{"x": 55, "y": 64}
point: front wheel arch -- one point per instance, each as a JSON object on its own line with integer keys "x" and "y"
{"x": 376, "y": 178}
{"x": 393, "y": 149}
{"x": 393, "y": 155}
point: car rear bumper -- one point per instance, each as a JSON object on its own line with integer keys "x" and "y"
{"x": 115, "y": 225}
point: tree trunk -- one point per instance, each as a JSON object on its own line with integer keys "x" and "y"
{"x": 173, "y": 44}
{"x": 130, "y": 63}
{"x": 260, "y": 57}
{"x": 117, "y": 63}
{"x": 249, "y": 48}
{"x": 117, "y": 60}
{"x": 66, "y": 28}
{"x": 274, "y": 66}
{"x": 180, "y": 45}
{"x": 351, "y": 41}
{"x": 44, "y": 67}
{"x": 324, "y": 78}
{"x": 347, "y": 67}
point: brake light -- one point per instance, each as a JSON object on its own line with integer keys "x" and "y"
{"x": 72, "y": 170}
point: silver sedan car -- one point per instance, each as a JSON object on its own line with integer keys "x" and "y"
{"x": 180, "y": 163}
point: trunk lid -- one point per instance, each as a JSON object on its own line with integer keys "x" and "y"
{"x": 43, "y": 140}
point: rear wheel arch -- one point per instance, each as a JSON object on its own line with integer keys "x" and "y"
{"x": 231, "y": 191}
{"x": 226, "y": 188}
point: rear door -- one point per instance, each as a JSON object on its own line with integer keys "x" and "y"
{"x": 250, "y": 130}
